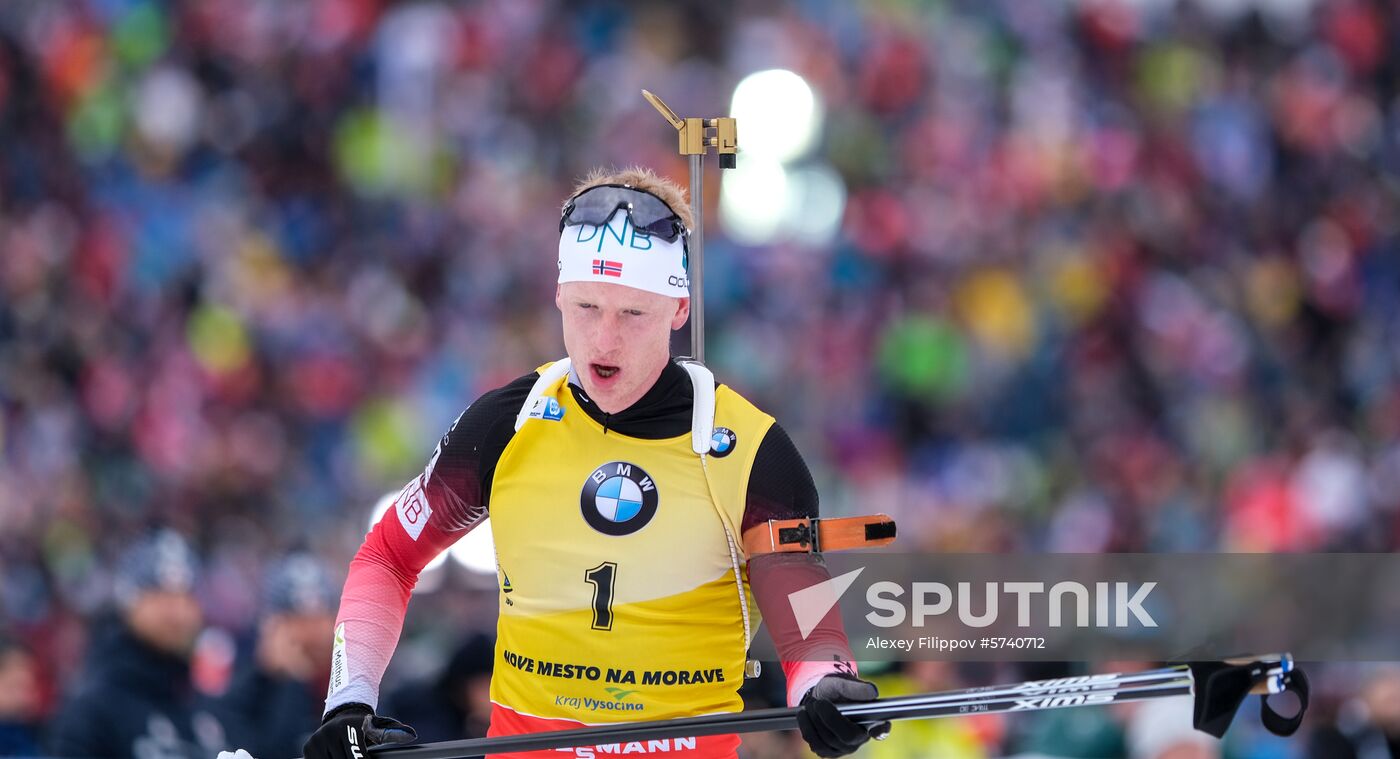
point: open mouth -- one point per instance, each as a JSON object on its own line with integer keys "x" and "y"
{"x": 604, "y": 371}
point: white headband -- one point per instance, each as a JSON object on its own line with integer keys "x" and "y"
{"x": 620, "y": 254}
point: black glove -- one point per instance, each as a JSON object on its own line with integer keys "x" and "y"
{"x": 828, "y": 731}
{"x": 349, "y": 729}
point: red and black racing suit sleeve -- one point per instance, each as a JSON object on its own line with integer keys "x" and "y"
{"x": 781, "y": 487}
{"x": 433, "y": 511}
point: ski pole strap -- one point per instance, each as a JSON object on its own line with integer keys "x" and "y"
{"x": 1221, "y": 687}
{"x": 817, "y": 535}
{"x": 1277, "y": 723}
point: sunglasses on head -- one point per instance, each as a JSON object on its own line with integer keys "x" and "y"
{"x": 649, "y": 214}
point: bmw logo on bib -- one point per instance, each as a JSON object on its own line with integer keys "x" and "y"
{"x": 722, "y": 442}
{"x": 618, "y": 498}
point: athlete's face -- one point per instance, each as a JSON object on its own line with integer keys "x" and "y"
{"x": 618, "y": 337}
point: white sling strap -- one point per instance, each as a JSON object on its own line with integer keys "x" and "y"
{"x": 702, "y": 419}
{"x": 702, "y": 380}
{"x": 548, "y": 378}
{"x": 702, "y": 429}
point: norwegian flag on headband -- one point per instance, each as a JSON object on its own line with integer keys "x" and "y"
{"x": 619, "y": 254}
{"x": 607, "y": 268}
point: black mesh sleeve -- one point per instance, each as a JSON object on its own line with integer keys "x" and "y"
{"x": 780, "y": 485}
{"x": 465, "y": 461}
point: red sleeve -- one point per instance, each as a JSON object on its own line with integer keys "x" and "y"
{"x": 781, "y": 487}
{"x": 805, "y": 658}
{"x": 433, "y": 511}
{"x": 375, "y": 599}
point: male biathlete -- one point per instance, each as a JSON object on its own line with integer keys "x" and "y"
{"x": 626, "y": 491}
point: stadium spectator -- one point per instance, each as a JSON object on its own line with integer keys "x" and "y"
{"x": 136, "y": 699}
{"x": 274, "y": 701}
{"x": 19, "y": 700}
{"x": 457, "y": 702}
{"x": 1161, "y": 729}
{"x": 1368, "y": 725}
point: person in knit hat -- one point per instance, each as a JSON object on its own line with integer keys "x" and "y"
{"x": 136, "y": 699}
{"x": 275, "y": 697}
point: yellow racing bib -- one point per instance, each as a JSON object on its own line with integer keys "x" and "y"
{"x": 618, "y": 596}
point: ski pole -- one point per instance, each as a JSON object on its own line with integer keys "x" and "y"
{"x": 1235, "y": 681}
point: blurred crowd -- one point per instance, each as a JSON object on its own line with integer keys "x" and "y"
{"x": 1109, "y": 275}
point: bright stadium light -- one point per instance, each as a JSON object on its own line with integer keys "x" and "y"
{"x": 476, "y": 551}
{"x": 816, "y": 205}
{"x": 762, "y": 202}
{"x": 754, "y": 199}
{"x": 779, "y": 115}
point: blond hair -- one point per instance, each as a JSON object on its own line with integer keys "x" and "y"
{"x": 643, "y": 179}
